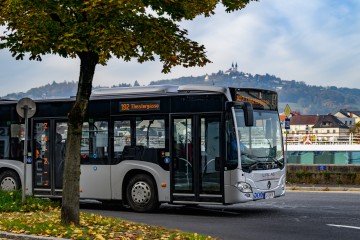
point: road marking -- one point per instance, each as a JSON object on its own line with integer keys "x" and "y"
{"x": 343, "y": 226}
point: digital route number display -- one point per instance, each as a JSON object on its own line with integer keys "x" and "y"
{"x": 139, "y": 106}
{"x": 260, "y": 99}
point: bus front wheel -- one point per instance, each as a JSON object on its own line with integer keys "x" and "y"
{"x": 9, "y": 181}
{"x": 141, "y": 193}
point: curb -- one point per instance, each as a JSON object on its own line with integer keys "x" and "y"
{"x": 8, "y": 235}
{"x": 322, "y": 189}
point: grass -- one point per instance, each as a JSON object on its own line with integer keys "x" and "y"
{"x": 12, "y": 202}
{"x": 41, "y": 217}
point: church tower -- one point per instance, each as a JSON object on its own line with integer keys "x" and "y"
{"x": 233, "y": 69}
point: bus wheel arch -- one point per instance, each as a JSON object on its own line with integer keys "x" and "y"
{"x": 140, "y": 191}
{"x": 9, "y": 180}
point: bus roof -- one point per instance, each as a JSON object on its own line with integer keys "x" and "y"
{"x": 149, "y": 91}
{"x": 138, "y": 92}
{"x": 160, "y": 90}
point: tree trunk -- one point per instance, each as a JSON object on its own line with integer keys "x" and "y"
{"x": 71, "y": 181}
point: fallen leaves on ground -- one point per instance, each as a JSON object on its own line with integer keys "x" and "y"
{"x": 92, "y": 226}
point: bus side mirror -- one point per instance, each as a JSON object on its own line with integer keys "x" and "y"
{"x": 248, "y": 114}
{"x": 247, "y": 108}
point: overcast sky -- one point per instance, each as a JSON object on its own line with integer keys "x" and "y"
{"x": 315, "y": 41}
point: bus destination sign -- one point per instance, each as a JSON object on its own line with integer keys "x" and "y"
{"x": 139, "y": 106}
{"x": 260, "y": 99}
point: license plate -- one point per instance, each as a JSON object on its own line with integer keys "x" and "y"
{"x": 269, "y": 195}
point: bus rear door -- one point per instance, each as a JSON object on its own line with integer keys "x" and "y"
{"x": 49, "y": 141}
{"x": 48, "y": 156}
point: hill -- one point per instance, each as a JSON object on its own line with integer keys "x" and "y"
{"x": 301, "y": 97}
{"x": 54, "y": 90}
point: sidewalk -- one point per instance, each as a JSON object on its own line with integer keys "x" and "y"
{"x": 323, "y": 188}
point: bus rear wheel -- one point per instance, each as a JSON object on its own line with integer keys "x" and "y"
{"x": 9, "y": 181}
{"x": 141, "y": 193}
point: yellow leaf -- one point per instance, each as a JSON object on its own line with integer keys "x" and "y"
{"x": 100, "y": 237}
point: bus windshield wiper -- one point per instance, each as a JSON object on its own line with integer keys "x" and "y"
{"x": 276, "y": 161}
{"x": 269, "y": 160}
{"x": 272, "y": 159}
{"x": 251, "y": 166}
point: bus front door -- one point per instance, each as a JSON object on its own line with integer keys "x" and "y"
{"x": 48, "y": 156}
{"x": 196, "y": 169}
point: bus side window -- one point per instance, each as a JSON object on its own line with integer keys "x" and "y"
{"x": 16, "y": 135}
{"x": 231, "y": 145}
{"x": 101, "y": 139}
{"x": 94, "y": 144}
{"x": 122, "y": 137}
{"x": 150, "y": 133}
{"x": 4, "y": 142}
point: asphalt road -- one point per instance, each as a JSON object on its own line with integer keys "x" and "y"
{"x": 298, "y": 215}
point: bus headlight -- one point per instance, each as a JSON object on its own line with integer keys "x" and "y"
{"x": 243, "y": 187}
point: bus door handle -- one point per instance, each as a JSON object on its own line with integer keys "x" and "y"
{"x": 175, "y": 165}
{"x": 217, "y": 163}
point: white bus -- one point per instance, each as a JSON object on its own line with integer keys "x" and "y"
{"x": 145, "y": 146}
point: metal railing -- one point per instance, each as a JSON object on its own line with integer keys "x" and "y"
{"x": 322, "y": 139}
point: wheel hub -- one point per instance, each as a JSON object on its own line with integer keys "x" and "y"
{"x": 8, "y": 183}
{"x": 141, "y": 193}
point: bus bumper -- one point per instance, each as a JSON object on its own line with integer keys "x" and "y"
{"x": 247, "y": 191}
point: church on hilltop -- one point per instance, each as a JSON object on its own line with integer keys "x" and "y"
{"x": 233, "y": 69}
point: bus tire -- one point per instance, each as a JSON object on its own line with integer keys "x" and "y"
{"x": 9, "y": 181}
{"x": 141, "y": 193}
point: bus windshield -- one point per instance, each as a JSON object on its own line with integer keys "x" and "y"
{"x": 260, "y": 145}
